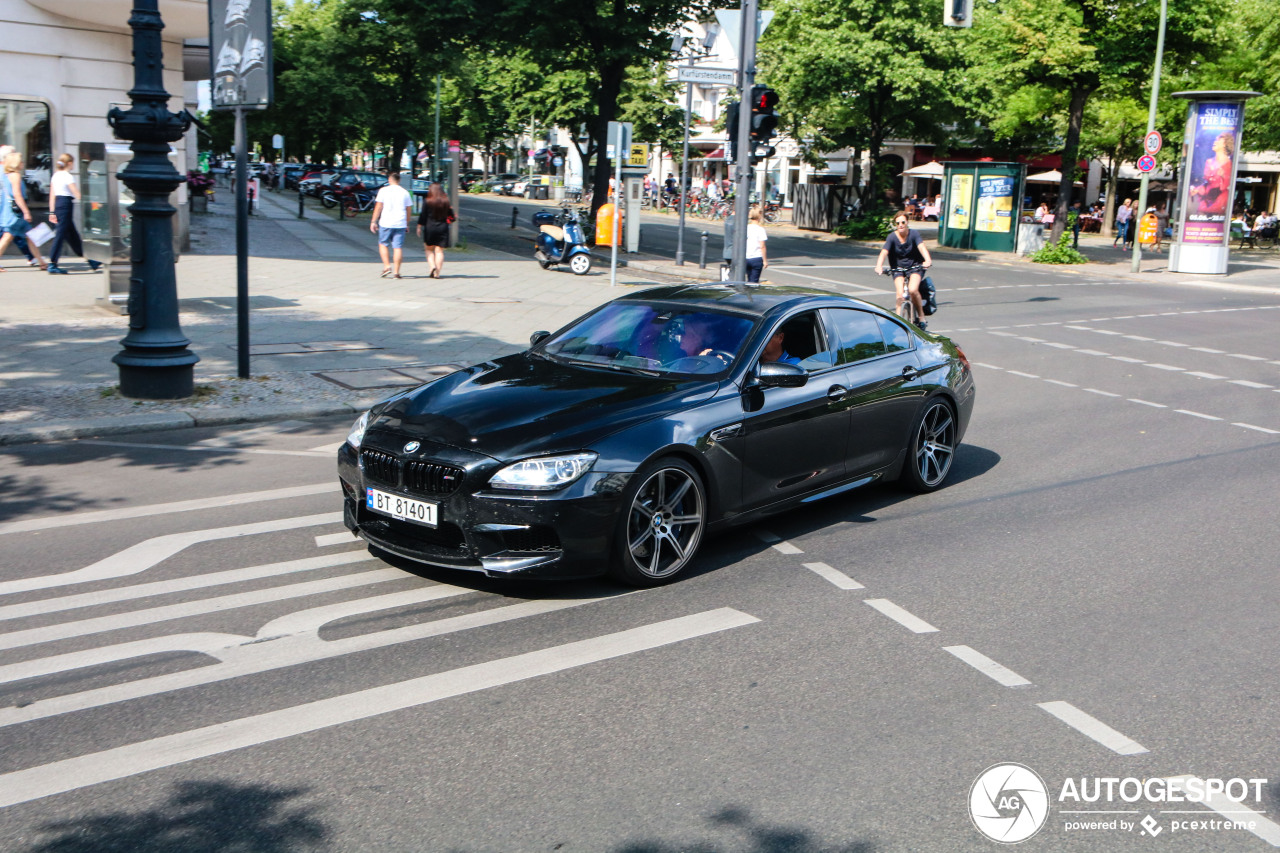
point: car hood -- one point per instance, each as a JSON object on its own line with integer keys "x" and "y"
{"x": 521, "y": 405}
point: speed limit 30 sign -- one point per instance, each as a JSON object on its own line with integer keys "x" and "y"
{"x": 1152, "y": 143}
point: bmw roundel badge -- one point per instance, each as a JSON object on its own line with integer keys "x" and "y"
{"x": 411, "y": 446}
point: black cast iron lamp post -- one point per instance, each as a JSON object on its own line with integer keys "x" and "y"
{"x": 155, "y": 363}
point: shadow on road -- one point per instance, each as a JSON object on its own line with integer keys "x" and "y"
{"x": 199, "y": 817}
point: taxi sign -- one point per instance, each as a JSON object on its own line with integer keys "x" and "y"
{"x": 1152, "y": 143}
{"x": 637, "y": 156}
{"x": 1146, "y": 163}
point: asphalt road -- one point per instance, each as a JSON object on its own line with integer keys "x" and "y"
{"x": 194, "y": 656}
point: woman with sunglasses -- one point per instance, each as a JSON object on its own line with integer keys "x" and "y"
{"x": 908, "y": 258}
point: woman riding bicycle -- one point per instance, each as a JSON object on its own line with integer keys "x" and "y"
{"x": 908, "y": 258}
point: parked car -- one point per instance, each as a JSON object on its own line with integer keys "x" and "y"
{"x": 618, "y": 442}
{"x": 313, "y": 182}
{"x": 291, "y": 173}
{"x": 495, "y": 181}
{"x": 469, "y": 177}
{"x": 349, "y": 178}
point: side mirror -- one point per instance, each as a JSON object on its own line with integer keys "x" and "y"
{"x": 538, "y": 337}
{"x": 775, "y": 374}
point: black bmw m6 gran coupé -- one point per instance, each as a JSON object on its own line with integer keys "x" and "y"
{"x": 616, "y": 443}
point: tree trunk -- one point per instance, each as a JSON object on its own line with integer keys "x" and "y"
{"x": 1109, "y": 211}
{"x": 1070, "y": 155}
{"x": 606, "y": 110}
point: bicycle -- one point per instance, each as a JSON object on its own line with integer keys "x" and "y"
{"x": 771, "y": 211}
{"x": 906, "y": 307}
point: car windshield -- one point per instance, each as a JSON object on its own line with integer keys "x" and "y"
{"x": 654, "y": 339}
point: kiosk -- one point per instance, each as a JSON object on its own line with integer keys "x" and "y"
{"x": 980, "y": 206}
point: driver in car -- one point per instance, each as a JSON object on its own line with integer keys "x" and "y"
{"x": 775, "y": 351}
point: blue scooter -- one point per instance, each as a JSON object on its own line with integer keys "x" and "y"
{"x": 561, "y": 240}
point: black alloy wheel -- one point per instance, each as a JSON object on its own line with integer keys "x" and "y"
{"x": 665, "y": 513}
{"x": 933, "y": 447}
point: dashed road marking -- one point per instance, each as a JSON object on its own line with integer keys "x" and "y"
{"x": 1258, "y": 428}
{"x": 1147, "y": 403}
{"x": 985, "y": 665}
{"x": 1093, "y": 728}
{"x": 328, "y": 539}
{"x": 1100, "y": 392}
{"x": 901, "y": 616}
{"x": 835, "y": 576}
{"x": 1253, "y": 821}
{"x": 1197, "y": 414}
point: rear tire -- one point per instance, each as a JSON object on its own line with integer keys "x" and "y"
{"x": 664, "y": 512}
{"x": 580, "y": 264}
{"x": 328, "y": 200}
{"x": 932, "y": 448}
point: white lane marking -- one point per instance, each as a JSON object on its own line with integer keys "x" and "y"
{"x": 1063, "y": 384}
{"x": 1004, "y": 334}
{"x": 861, "y": 287}
{"x": 220, "y": 646}
{"x": 985, "y": 665}
{"x": 1092, "y": 352}
{"x": 119, "y": 763}
{"x": 1159, "y": 366}
{"x": 901, "y": 616}
{"x": 1210, "y": 350}
{"x": 146, "y": 590}
{"x": 1105, "y": 332}
{"x": 786, "y": 548}
{"x": 145, "y": 555}
{"x": 1102, "y": 393}
{"x": 1245, "y": 357}
{"x": 822, "y": 266}
{"x": 1247, "y": 384}
{"x": 328, "y": 448}
{"x": 1171, "y": 343}
{"x": 1138, "y": 338}
{"x": 148, "y": 510}
{"x": 1079, "y": 328}
{"x": 336, "y": 539}
{"x": 1148, "y": 403}
{"x": 1258, "y": 428}
{"x": 1030, "y": 340}
{"x": 1262, "y": 826}
{"x": 1024, "y": 375}
{"x": 260, "y": 657}
{"x": 169, "y": 612}
{"x": 1058, "y": 346}
{"x": 1093, "y": 728}
{"x": 1126, "y": 359}
{"x": 986, "y": 366}
{"x": 1203, "y": 375}
{"x": 195, "y": 448}
{"x": 1197, "y": 414}
{"x": 835, "y": 576}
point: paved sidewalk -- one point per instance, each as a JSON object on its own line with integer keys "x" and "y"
{"x": 330, "y": 336}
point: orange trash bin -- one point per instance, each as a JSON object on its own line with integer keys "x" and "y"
{"x": 604, "y": 225}
{"x": 1147, "y": 228}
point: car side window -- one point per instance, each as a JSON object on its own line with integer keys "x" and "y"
{"x": 896, "y": 338}
{"x": 805, "y": 342}
{"x": 858, "y": 334}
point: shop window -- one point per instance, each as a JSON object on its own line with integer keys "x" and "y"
{"x": 24, "y": 124}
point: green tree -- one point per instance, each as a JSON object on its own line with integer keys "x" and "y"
{"x": 853, "y": 73}
{"x": 1063, "y": 52}
{"x": 1251, "y": 61}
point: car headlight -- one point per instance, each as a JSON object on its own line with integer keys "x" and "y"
{"x": 357, "y": 431}
{"x": 544, "y": 473}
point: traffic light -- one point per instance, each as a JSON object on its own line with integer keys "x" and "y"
{"x": 957, "y": 13}
{"x": 731, "y": 131}
{"x": 764, "y": 121}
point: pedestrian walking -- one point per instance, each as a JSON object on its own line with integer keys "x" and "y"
{"x": 757, "y": 256}
{"x": 433, "y": 227}
{"x": 1162, "y": 225}
{"x": 1123, "y": 215}
{"x": 15, "y": 216}
{"x": 391, "y": 222}
{"x": 65, "y": 195}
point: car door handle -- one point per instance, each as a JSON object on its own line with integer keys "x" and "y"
{"x": 836, "y": 393}
{"x": 909, "y": 373}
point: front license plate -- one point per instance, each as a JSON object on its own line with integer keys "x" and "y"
{"x": 408, "y": 509}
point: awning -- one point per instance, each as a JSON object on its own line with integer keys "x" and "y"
{"x": 928, "y": 170}
{"x": 1054, "y": 177}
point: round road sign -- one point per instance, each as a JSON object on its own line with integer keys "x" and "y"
{"x": 1152, "y": 143}
{"x": 1146, "y": 163}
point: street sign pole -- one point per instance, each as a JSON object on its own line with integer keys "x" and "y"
{"x": 742, "y": 164}
{"x": 1136, "y": 266}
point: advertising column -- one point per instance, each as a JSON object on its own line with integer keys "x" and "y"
{"x": 1208, "y": 168}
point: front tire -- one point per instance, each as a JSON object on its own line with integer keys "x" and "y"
{"x": 580, "y": 263}
{"x": 664, "y": 514}
{"x": 329, "y": 200}
{"x": 932, "y": 448}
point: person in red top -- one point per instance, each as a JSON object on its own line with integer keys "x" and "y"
{"x": 1215, "y": 192}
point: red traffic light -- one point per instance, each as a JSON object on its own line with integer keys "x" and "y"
{"x": 764, "y": 98}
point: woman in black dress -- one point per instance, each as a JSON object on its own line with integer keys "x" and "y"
{"x": 433, "y": 227}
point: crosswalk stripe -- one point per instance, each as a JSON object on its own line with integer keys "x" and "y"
{"x": 122, "y": 762}
{"x": 138, "y": 558}
{"x": 69, "y": 519}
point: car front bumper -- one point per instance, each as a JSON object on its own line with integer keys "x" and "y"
{"x": 563, "y": 534}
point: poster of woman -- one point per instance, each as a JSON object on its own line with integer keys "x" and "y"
{"x": 1212, "y": 172}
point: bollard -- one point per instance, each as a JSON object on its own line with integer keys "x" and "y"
{"x": 301, "y": 215}
{"x": 342, "y": 207}
{"x": 515, "y": 212}
{"x": 702, "y": 253}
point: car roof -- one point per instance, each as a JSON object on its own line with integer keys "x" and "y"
{"x": 743, "y": 297}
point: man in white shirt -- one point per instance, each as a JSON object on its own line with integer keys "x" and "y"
{"x": 391, "y": 222}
